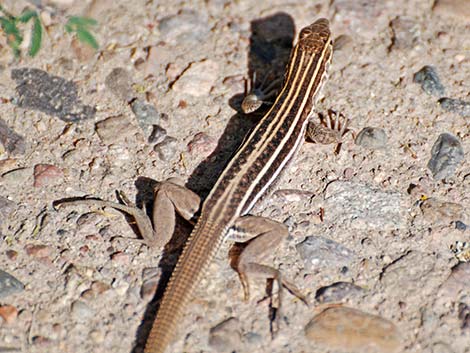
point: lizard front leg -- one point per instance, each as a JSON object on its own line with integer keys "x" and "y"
{"x": 330, "y": 129}
{"x": 170, "y": 197}
{"x": 262, "y": 236}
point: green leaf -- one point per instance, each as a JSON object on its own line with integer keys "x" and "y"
{"x": 27, "y": 15}
{"x": 36, "y": 37}
{"x": 87, "y": 38}
{"x": 81, "y": 22}
{"x": 9, "y": 26}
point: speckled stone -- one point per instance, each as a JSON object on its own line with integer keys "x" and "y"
{"x": 198, "y": 79}
{"x": 9, "y": 285}
{"x": 372, "y": 138}
{"x": 364, "y": 207}
{"x": 351, "y": 330}
{"x": 337, "y": 292}
{"x": 53, "y": 95}
{"x": 320, "y": 252}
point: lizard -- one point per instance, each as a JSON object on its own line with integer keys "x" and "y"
{"x": 266, "y": 151}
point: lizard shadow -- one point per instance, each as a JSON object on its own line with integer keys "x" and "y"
{"x": 271, "y": 42}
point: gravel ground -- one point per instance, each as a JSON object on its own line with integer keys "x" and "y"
{"x": 378, "y": 240}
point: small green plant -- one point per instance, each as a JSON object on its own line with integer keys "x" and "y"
{"x": 10, "y": 24}
{"x": 80, "y": 26}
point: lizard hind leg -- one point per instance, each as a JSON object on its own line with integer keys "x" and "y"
{"x": 262, "y": 236}
{"x": 170, "y": 197}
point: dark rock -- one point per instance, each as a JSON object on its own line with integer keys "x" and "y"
{"x": 429, "y": 80}
{"x": 336, "y": 292}
{"x": 119, "y": 83}
{"x": 49, "y": 94}
{"x": 158, "y": 134}
{"x": 146, "y": 115}
{"x": 9, "y": 285}
{"x": 458, "y": 106}
{"x": 11, "y": 141}
{"x": 446, "y": 154}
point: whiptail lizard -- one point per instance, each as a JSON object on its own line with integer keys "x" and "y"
{"x": 259, "y": 161}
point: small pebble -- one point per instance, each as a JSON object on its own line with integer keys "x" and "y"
{"x": 458, "y": 106}
{"x": 119, "y": 82}
{"x": 441, "y": 347}
{"x": 446, "y": 155}
{"x": 82, "y": 51}
{"x": 319, "y": 252}
{"x": 226, "y": 336}
{"x": 96, "y": 288}
{"x": 409, "y": 273}
{"x": 7, "y": 164}
{"x": 47, "y": 174}
{"x": 157, "y": 135}
{"x": 167, "y": 148}
{"x": 405, "y": 33}
{"x": 115, "y": 129}
{"x": 9, "y": 285}
{"x": 8, "y": 313}
{"x": 456, "y": 285}
{"x": 11, "y": 254}
{"x": 37, "y": 251}
{"x": 337, "y": 292}
{"x": 198, "y": 79}
{"x": 146, "y": 114}
{"x": 159, "y": 57}
{"x": 120, "y": 258}
{"x": 441, "y": 212}
{"x": 6, "y": 208}
{"x": 186, "y": 28}
{"x": 429, "y": 80}
{"x": 97, "y": 336}
{"x": 81, "y": 311}
{"x": 202, "y": 144}
{"x": 460, "y": 226}
{"x": 99, "y": 287}
{"x": 372, "y": 138}
{"x": 11, "y": 141}
{"x": 121, "y": 287}
{"x": 253, "y": 338}
{"x": 351, "y": 330}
